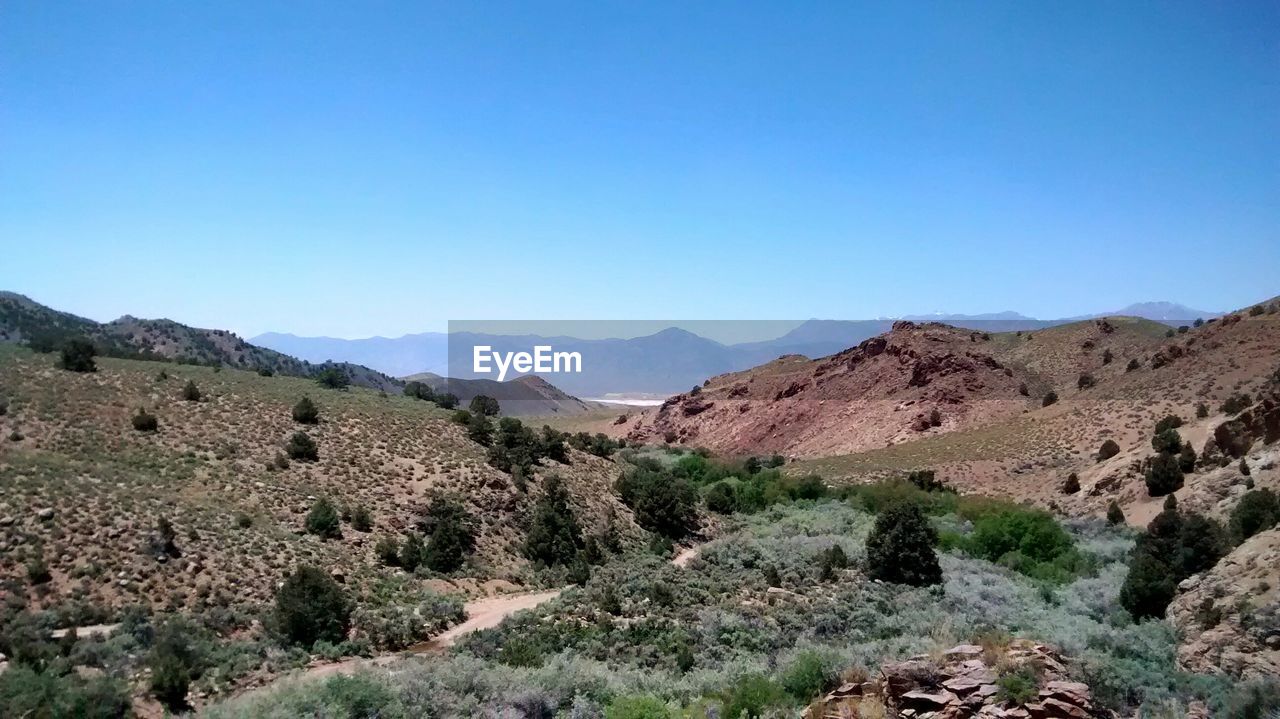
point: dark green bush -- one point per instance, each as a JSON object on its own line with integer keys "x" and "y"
{"x": 306, "y": 412}
{"x": 190, "y": 392}
{"x": 1050, "y": 397}
{"x": 1108, "y": 450}
{"x": 310, "y": 607}
{"x": 1256, "y": 511}
{"x": 1166, "y": 441}
{"x": 145, "y": 422}
{"x": 1236, "y": 403}
{"x": 900, "y": 547}
{"x": 484, "y": 405}
{"x": 302, "y": 448}
{"x": 662, "y": 503}
{"x": 361, "y": 519}
{"x": 25, "y": 692}
{"x": 1115, "y": 515}
{"x": 1072, "y": 485}
{"x": 323, "y": 520}
{"x": 332, "y": 378}
{"x": 554, "y": 536}
{"x": 722, "y": 498}
{"x": 1171, "y": 421}
{"x": 1163, "y": 475}
{"x": 751, "y": 696}
{"x": 807, "y": 677}
{"x": 450, "y": 534}
{"x": 77, "y": 356}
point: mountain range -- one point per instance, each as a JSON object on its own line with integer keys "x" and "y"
{"x": 661, "y": 363}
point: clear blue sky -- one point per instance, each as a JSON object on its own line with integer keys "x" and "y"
{"x": 378, "y": 168}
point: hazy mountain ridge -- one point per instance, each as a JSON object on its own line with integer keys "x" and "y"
{"x": 664, "y": 362}
{"x": 23, "y": 320}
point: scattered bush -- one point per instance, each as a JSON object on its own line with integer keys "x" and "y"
{"x": 323, "y": 521}
{"x": 310, "y": 607}
{"x": 145, "y": 422}
{"x": 1115, "y": 515}
{"x": 302, "y": 448}
{"x": 306, "y": 412}
{"x": 77, "y": 356}
{"x": 361, "y": 519}
{"x": 1235, "y": 404}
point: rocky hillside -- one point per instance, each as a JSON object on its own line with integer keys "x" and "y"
{"x": 84, "y": 491}
{"x": 25, "y": 321}
{"x": 1229, "y": 617}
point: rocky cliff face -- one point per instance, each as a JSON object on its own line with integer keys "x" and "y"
{"x": 1229, "y": 617}
{"x": 968, "y": 681}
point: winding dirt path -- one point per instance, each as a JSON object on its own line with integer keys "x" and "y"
{"x": 484, "y": 613}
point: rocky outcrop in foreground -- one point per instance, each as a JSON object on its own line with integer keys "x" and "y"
{"x": 1024, "y": 681}
{"x": 1229, "y": 616}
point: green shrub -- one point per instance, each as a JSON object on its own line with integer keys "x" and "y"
{"x": 25, "y": 692}
{"x": 1029, "y": 541}
{"x": 361, "y": 519}
{"x": 484, "y": 405}
{"x": 310, "y": 606}
{"x": 302, "y": 448}
{"x": 1115, "y": 515}
{"x": 1256, "y": 511}
{"x": 323, "y": 520}
{"x": 190, "y": 392}
{"x": 332, "y": 378}
{"x": 722, "y": 498}
{"x": 807, "y": 677}
{"x": 1171, "y": 421}
{"x": 448, "y": 400}
{"x": 77, "y": 356}
{"x": 38, "y": 571}
{"x": 1202, "y": 410}
{"x": 418, "y": 390}
{"x": 1166, "y": 441}
{"x": 1072, "y": 485}
{"x": 1108, "y": 450}
{"x": 751, "y": 696}
{"x": 1050, "y": 397}
{"x": 638, "y": 707}
{"x": 173, "y": 663}
{"x": 1173, "y": 548}
{"x": 387, "y": 550}
{"x": 1164, "y": 475}
{"x": 662, "y": 503}
{"x": 450, "y": 534}
{"x": 306, "y": 412}
{"x": 554, "y": 536}
{"x": 412, "y": 552}
{"x": 1018, "y": 686}
{"x": 900, "y": 547}
{"x": 480, "y": 429}
{"x": 1235, "y": 404}
{"x": 145, "y": 422}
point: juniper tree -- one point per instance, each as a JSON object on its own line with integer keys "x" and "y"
{"x": 900, "y": 548}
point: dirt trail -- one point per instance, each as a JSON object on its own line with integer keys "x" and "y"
{"x": 484, "y": 613}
